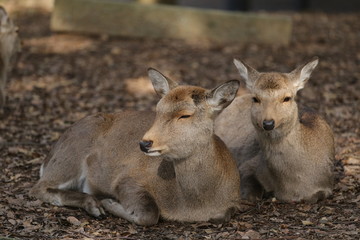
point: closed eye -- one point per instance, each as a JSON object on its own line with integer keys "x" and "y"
{"x": 184, "y": 116}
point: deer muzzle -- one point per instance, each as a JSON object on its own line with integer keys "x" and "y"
{"x": 268, "y": 125}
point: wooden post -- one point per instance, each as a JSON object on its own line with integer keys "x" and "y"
{"x": 164, "y": 21}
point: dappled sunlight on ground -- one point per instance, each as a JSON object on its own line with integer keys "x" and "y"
{"x": 59, "y": 44}
{"x": 60, "y": 78}
{"x": 139, "y": 87}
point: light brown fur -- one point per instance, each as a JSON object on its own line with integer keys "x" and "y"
{"x": 293, "y": 156}
{"x": 187, "y": 173}
{"x": 9, "y": 47}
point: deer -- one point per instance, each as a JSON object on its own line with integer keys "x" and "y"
{"x": 9, "y": 47}
{"x": 181, "y": 172}
{"x": 279, "y": 149}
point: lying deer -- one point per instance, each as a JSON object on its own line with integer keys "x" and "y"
{"x": 9, "y": 46}
{"x": 186, "y": 173}
{"x": 277, "y": 148}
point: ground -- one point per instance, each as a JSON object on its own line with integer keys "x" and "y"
{"x": 60, "y": 78}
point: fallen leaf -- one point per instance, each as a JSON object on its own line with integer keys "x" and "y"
{"x": 12, "y": 221}
{"x": 323, "y": 220}
{"x": 244, "y": 225}
{"x": 251, "y": 234}
{"x": 307, "y": 222}
{"x": 132, "y": 230}
{"x": 351, "y": 161}
{"x": 73, "y": 221}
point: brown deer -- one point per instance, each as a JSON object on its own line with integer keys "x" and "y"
{"x": 9, "y": 47}
{"x": 183, "y": 172}
{"x": 278, "y": 148}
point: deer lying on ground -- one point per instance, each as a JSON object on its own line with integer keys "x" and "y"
{"x": 9, "y": 46}
{"x": 186, "y": 173}
{"x": 277, "y": 148}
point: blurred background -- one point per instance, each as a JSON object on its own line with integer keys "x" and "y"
{"x": 266, "y": 5}
{"x": 62, "y": 76}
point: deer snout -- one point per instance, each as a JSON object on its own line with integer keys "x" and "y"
{"x": 268, "y": 124}
{"x": 145, "y": 145}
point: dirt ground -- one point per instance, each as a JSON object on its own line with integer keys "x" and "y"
{"x": 60, "y": 78}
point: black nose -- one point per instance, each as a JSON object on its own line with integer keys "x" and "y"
{"x": 145, "y": 145}
{"x": 268, "y": 124}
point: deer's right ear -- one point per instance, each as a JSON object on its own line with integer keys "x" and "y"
{"x": 248, "y": 74}
{"x": 162, "y": 84}
{"x": 302, "y": 74}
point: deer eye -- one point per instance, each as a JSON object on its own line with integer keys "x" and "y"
{"x": 184, "y": 116}
{"x": 255, "y": 100}
{"x": 287, "y": 99}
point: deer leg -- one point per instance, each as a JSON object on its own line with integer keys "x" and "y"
{"x": 250, "y": 187}
{"x": 223, "y": 217}
{"x": 61, "y": 197}
{"x": 135, "y": 204}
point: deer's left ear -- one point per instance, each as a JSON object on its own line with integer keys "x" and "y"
{"x": 221, "y": 96}
{"x": 302, "y": 74}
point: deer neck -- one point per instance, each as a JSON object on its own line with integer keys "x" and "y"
{"x": 277, "y": 149}
{"x": 199, "y": 173}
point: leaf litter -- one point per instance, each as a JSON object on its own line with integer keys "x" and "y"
{"x": 60, "y": 78}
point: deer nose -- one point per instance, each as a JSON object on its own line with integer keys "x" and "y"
{"x": 268, "y": 124}
{"x": 145, "y": 145}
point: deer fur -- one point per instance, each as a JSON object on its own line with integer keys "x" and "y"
{"x": 277, "y": 147}
{"x": 9, "y": 47}
{"x": 186, "y": 174}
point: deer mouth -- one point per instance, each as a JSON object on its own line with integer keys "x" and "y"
{"x": 153, "y": 153}
{"x": 147, "y": 148}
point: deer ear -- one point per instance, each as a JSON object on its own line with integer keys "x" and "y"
{"x": 162, "y": 84}
{"x": 302, "y": 74}
{"x": 4, "y": 18}
{"x": 248, "y": 74}
{"x": 221, "y": 96}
